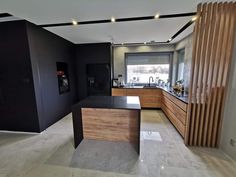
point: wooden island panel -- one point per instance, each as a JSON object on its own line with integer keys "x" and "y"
{"x": 111, "y": 124}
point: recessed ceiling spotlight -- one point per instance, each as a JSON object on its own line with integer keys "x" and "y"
{"x": 157, "y": 16}
{"x": 74, "y": 22}
{"x": 145, "y": 43}
{"x": 113, "y": 19}
{"x": 194, "y": 18}
{"x": 169, "y": 39}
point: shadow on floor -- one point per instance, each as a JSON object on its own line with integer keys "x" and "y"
{"x": 12, "y": 138}
{"x": 107, "y": 156}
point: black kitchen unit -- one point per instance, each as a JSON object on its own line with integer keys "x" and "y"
{"x": 98, "y": 79}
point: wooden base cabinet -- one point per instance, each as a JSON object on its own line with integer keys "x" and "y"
{"x": 176, "y": 111}
{"x": 149, "y": 98}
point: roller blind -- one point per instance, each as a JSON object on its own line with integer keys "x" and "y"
{"x": 147, "y": 58}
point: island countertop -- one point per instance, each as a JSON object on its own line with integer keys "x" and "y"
{"x": 115, "y": 102}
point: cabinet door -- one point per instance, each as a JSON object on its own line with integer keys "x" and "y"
{"x": 118, "y": 92}
{"x": 177, "y": 111}
{"x": 150, "y": 101}
{"x": 134, "y": 92}
{"x": 181, "y": 104}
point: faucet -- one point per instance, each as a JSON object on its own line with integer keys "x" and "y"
{"x": 150, "y": 78}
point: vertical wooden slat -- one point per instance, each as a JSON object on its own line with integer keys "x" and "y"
{"x": 214, "y": 33}
{"x": 216, "y": 73}
{"x": 195, "y": 74}
{"x": 222, "y": 59}
{"x": 205, "y": 57}
{"x": 189, "y": 112}
{"x": 228, "y": 55}
{"x": 200, "y": 70}
{"x": 225, "y": 59}
{"x": 215, "y": 26}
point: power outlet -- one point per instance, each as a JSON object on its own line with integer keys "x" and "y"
{"x": 232, "y": 142}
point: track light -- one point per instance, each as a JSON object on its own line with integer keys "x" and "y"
{"x": 194, "y": 18}
{"x": 157, "y": 16}
{"x": 113, "y": 20}
{"x": 74, "y": 22}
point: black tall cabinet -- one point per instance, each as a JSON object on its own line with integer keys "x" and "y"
{"x": 93, "y": 69}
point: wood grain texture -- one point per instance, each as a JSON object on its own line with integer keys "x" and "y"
{"x": 149, "y": 98}
{"x": 181, "y": 104}
{"x": 111, "y": 124}
{"x": 175, "y": 121}
{"x": 214, "y": 33}
{"x": 134, "y": 92}
{"x": 177, "y": 111}
{"x": 174, "y": 112}
{"x": 118, "y": 92}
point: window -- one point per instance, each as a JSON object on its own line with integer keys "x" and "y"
{"x": 180, "y": 65}
{"x": 141, "y": 66}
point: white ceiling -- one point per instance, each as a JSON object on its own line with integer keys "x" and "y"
{"x": 61, "y": 11}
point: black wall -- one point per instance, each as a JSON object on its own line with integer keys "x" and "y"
{"x": 89, "y": 54}
{"x": 46, "y": 49}
{"x": 18, "y": 110}
{"x": 29, "y": 95}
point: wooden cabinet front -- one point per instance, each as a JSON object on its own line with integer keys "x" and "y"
{"x": 149, "y": 98}
{"x": 175, "y": 110}
{"x": 118, "y": 92}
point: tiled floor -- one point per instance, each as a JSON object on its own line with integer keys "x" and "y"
{"x": 163, "y": 154}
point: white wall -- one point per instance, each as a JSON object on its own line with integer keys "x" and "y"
{"x": 119, "y": 55}
{"x": 229, "y": 122}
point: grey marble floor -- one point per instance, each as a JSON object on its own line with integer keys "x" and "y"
{"x": 163, "y": 154}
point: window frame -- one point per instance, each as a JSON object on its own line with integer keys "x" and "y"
{"x": 178, "y": 62}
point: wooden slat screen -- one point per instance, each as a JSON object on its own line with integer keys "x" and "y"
{"x": 213, "y": 41}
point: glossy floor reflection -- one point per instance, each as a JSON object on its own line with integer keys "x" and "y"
{"x": 163, "y": 154}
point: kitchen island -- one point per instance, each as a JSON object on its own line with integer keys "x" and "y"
{"x": 107, "y": 118}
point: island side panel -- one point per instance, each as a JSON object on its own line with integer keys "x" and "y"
{"x": 77, "y": 125}
{"x": 112, "y": 125}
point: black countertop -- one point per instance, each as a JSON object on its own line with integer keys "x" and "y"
{"x": 113, "y": 102}
{"x": 183, "y": 98}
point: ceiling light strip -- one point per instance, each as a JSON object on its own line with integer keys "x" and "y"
{"x": 138, "y": 43}
{"x": 181, "y": 30}
{"x": 178, "y": 15}
{"x": 120, "y": 20}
